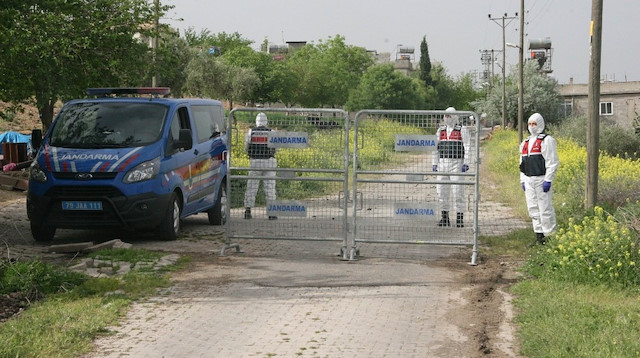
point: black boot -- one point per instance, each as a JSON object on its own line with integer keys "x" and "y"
{"x": 445, "y": 219}
{"x": 540, "y": 239}
{"x": 247, "y": 213}
{"x": 460, "y": 220}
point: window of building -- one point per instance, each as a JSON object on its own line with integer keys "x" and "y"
{"x": 566, "y": 109}
{"x": 606, "y": 108}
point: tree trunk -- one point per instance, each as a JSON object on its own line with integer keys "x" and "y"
{"x": 46, "y": 113}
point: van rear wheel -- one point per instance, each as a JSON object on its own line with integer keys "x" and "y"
{"x": 42, "y": 233}
{"x": 218, "y": 213}
{"x": 170, "y": 226}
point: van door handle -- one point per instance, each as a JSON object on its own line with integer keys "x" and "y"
{"x": 195, "y": 151}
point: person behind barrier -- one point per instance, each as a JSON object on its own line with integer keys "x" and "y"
{"x": 261, "y": 156}
{"x": 538, "y": 165}
{"x": 452, "y": 156}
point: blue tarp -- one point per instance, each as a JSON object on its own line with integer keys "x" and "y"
{"x": 15, "y": 137}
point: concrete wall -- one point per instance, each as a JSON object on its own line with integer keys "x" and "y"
{"x": 624, "y": 96}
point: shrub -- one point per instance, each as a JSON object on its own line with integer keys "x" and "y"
{"x": 598, "y": 250}
{"x": 614, "y": 140}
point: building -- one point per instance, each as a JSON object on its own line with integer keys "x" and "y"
{"x": 619, "y": 101}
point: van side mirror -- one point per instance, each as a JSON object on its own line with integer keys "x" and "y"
{"x": 185, "y": 141}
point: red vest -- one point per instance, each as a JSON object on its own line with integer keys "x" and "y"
{"x": 451, "y": 146}
{"x": 532, "y": 163}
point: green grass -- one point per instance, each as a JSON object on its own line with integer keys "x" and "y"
{"x": 69, "y": 317}
{"x": 561, "y": 319}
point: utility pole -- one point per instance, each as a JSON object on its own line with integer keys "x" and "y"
{"x": 504, "y": 91}
{"x": 593, "y": 128}
{"x": 521, "y": 74}
{"x": 154, "y": 43}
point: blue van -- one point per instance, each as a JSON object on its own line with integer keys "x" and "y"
{"x": 123, "y": 160}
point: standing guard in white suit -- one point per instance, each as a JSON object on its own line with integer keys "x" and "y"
{"x": 452, "y": 156}
{"x": 538, "y": 165}
{"x": 263, "y": 157}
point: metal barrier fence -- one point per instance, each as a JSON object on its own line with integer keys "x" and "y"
{"x": 403, "y": 193}
{"x": 365, "y": 180}
{"x": 309, "y": 171}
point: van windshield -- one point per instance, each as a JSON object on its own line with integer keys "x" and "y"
{"x": 108, "y": 125}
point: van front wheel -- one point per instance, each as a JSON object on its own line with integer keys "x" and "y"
{"x": 218, "y": 213}
{"x": 42, "y": 233}
{"x": 170, "y": 226}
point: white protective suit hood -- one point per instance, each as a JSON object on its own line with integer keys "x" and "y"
{"x": 261, "y": 120}
{"x": 536, "y": 118}
{"x": 450, "y": 120}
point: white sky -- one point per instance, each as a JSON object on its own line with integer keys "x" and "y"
{"x": 456, "y": 30}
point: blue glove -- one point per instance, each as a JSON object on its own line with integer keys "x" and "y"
{"x": 523, "y": 189}
{"x": 435, "y": 168}
{"x": 465, "y": 167}
{"x": 546, "y": 186}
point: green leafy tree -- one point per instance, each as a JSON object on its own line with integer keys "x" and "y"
{"x": 441, "y": 93}
{"x": 540, "y": 95}
{"x": 425, "y": 63}
{"x": 222, "y": 42}
{"x": 283, "y": 83}
{"x": 55, "y": 49}
{"x": 172, "y": 57}
{"x": 384, "y": 88}
{"x": 210, "y": 76}
{"x": 260, "y": 63}
{"x": 328, "y": 71}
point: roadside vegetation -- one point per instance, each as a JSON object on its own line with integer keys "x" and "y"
{"x": 66, "y": 309}
{"x": 579, "y": 297}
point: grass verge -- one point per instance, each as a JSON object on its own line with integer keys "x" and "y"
{"x": 64, "y": 322}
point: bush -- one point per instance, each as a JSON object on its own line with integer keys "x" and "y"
{"x": 598, "y": 250}
{"x": 614, "y": 140}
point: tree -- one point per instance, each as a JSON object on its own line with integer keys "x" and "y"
{"x": 328, "y": 71}
{"x": 425, "y": 63}
{"x": 172, "y": 57}
{"x": 221, "y": 42}
{"x": 56, "y": 49}
{"x": 260, "y": 63}
{"x": 384, "y": 88}
{"x": 210, "y": 76}
{"x": 540, "y": 95}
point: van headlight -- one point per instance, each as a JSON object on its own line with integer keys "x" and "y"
{"x": 36, "y": 173}
{"x": 143, "y": 171}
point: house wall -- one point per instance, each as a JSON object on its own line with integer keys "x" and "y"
{"x": 624, "y": 97}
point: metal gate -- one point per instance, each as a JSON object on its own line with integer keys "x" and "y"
{"x": 395, "y": 184}
{"x": 312, "y": 154}
{"x": 372, "y": 184}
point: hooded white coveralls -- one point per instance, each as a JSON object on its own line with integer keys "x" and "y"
{"x": 541, "y": 155}
{"x": 447, "y": 161}
{"x": 260, "y": 156}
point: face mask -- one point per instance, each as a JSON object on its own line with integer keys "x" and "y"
{"x": 449, "y": 121}
{"x": 534, "y": 130}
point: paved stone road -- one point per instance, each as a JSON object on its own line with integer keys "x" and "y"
{"x": 291, "y": 301}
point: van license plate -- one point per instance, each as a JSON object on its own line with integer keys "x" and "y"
{"x": 81, "y": 205}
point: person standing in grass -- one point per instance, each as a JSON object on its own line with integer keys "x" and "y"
{"x": 538, "y": 165}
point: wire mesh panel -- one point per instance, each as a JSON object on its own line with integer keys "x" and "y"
{"x": 412, "y": 183}
{"x": 288, "y": 175}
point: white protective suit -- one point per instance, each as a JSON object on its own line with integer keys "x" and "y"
{"x": 540, "y": 153}
{"x": 260, "y": 156}
{"x": 445, "y": 161}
